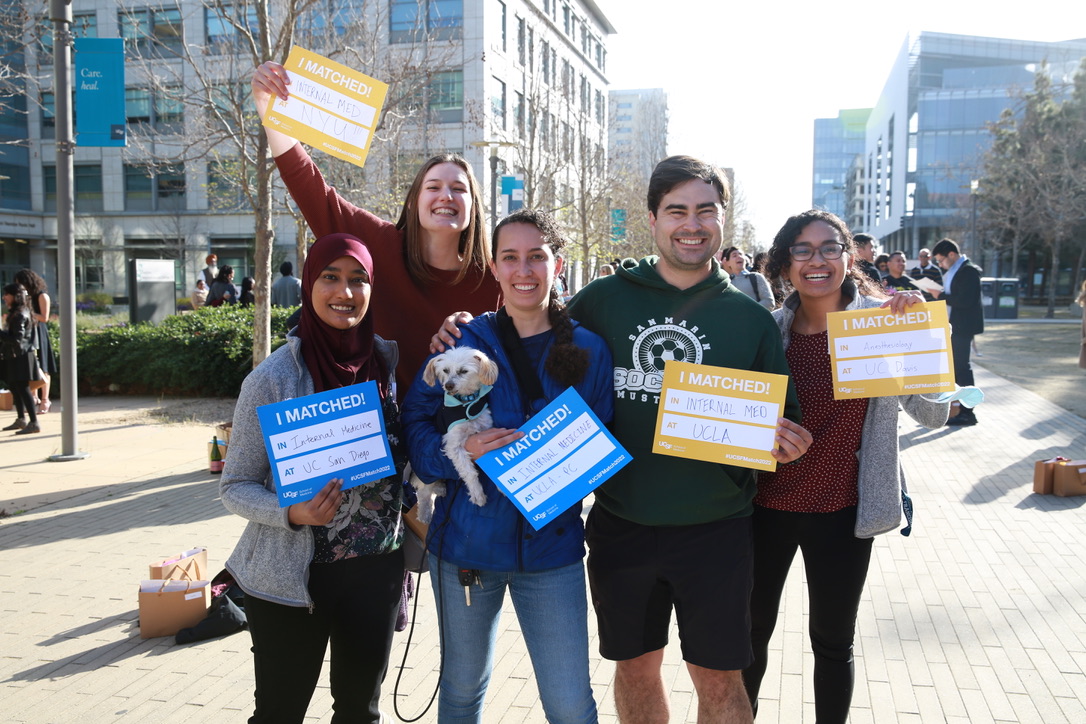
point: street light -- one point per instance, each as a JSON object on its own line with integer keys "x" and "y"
{"x": 493, "y": 146}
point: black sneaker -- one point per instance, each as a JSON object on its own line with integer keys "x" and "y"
{"x": 19, "y": 424}
{"x": 29, "y": 429}
{"x": 965, "y": 418}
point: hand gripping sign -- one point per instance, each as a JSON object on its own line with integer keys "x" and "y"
{"x": 337, "y": 433}
{"x": 719, "y": 415}
{"x": 876, "y": 353}
{"x": 565, "y": 454}
{"x": 330, "y": 107}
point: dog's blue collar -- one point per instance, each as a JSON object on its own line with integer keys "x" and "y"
{"x": 460, "y": 408}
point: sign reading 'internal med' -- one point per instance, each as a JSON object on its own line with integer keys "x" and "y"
{"x": 565, "y": 454}
{"x": 337, "y": 433}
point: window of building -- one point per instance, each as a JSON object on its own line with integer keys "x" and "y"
{"x": 161, "y": 189}
{"x": 447, "y": 96}
{"x": 49, "y": 114}
{"x": 531, "y": 49}
{"x": 170, "y": 187}
{"x": 567, "y": 19}
{"x": 586, "y": 95}
{"x": 86, "y": 182}
{"x": 502, "y": 17}
{"x": 137, "y": 189}
{"x": 497, "y": 103}
{"x": 89, "y": 268}
{"x": 600, "y": 108}
{"x": 521, "y": 41}
{"x": 223, "y": 35}
{"x": 546, "y": 64}
{"x": 411, "y": 21}
{"x": 224, "y": 192}
{"x": 151, "y": 31}
{"x": 518, "y": 112}
{"x": 15, "y": 181}
{"x": 161, "y": 110}
{"x": 137, "y": 106}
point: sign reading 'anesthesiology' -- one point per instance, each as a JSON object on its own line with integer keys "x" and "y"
{"x": 337, "y": 433}
{"x": 876, "y": 353}
{"x": 330, "y": 107}
{"x": 719, "y": 415}
{"x": 565, "y": 454}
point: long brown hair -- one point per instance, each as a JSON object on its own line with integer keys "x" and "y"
{"x": 566, "y": 362}
{"x": 474, "y": 252}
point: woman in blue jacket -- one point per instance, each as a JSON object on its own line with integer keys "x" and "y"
{"x": 540, "y": 352}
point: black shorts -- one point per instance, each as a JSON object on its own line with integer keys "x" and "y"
{"x": 638, "y": 573}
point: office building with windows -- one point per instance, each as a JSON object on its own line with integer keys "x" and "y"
{"x": 517, "y": 86}
{"x": 638, "y": 130}
{"x": 837, "y": 143}
{"x": 926, "y": 136}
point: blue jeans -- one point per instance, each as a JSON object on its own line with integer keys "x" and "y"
{"x": 552, "y": 609}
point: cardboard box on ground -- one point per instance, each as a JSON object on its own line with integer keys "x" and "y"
{"x": 1059, "y": 476}
{"x": 175, "y": 595}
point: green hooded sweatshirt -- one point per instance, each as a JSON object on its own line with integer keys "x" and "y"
{"x": 647, "y": 321}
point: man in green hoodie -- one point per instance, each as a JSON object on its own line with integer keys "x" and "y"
{"x": 668, "y": 532}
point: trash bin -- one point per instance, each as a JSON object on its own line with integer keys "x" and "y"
{"x": 1006, "y": 298}
{"x": 988, "y": 291}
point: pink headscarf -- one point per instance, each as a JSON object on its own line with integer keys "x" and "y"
{"x": 338, "y": 357}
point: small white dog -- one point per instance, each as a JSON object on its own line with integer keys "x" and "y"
{"x": 467, "y": 376}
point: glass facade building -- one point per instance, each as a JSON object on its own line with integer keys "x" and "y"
{"x": 837, "y": 142}
{"x": 927, "y": 134}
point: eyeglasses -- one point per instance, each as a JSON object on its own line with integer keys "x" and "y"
{"x": 829, "y": 251}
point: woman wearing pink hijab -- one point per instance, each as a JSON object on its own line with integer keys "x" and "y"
{"x": 329, "y": 569}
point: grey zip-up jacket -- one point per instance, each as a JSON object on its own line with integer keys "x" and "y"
{"x": 272, "y": 557}
{"x": 881, "y": 479}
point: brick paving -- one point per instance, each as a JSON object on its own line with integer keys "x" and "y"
{"x": 978, "y": 616}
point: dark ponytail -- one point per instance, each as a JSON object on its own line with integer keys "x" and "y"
{"x": 566, "y": 362}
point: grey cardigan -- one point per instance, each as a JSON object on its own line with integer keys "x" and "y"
{"x": 881, "y": 479}
{"x": 271, "y": 559}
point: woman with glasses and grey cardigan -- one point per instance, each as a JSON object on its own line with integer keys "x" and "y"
{"x": 848, "y": 487}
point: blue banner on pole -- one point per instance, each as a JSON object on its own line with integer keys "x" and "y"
{"x": 513, "y": 192}
{"x": 99, "y": 92}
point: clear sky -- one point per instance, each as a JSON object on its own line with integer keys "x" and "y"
{"x": 745, "y": 81}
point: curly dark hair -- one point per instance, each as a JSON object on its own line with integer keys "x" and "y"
{"x": 566, "y": 362}
{"x": 31, "y": 282}
{"x": 780, "y": 256}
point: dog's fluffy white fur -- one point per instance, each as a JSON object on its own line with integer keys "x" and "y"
{"x": 461, "y": 372}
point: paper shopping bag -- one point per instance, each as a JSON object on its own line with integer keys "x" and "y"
{"x": 168, "y": 606}
{"x": 188, "y": 566}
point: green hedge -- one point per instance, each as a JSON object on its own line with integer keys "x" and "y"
{"x": 206, "y": 353}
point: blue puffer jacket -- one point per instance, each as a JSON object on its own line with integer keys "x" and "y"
{"x": 496, "y": 537}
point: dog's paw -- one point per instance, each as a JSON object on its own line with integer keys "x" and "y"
{"x": 425, "y": 514}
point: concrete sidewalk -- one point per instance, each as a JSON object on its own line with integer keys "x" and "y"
{"x": 977, "y": 617}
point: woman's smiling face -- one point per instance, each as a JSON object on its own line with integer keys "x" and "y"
{"x": 524, "y": 265}
{"x": 341, "y": 293}
{"x": 817, "y": 276}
